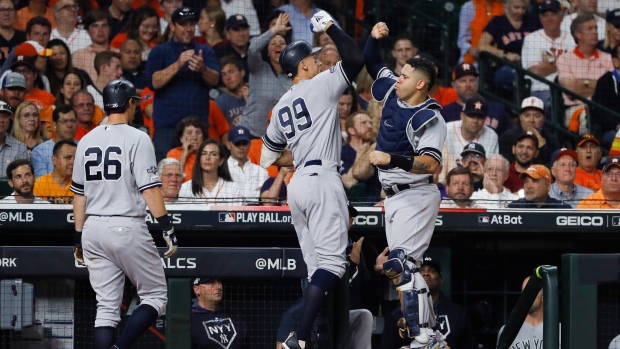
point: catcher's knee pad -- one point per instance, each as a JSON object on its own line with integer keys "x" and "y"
{"x": 396, "y": 267}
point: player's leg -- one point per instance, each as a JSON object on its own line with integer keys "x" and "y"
{"x": 143, "y": 267}
{"x": 360, "y": 329}
{"x": 324, "y": 201}
{"x": 297, "y": 192}
{"x": 412, "y": 215}
{"x": 106, "y": 279}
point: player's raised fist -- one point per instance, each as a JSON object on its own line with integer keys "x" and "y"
{"x": 319, "y": 21}
{"x": 380, "y": 31}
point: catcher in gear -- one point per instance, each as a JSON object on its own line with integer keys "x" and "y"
{"x": 114, "y": 180}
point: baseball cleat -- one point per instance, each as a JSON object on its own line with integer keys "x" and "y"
{"x": 293, "y": 343}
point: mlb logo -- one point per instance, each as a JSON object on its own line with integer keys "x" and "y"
{"x": 484, "y": 220}
{"x": 226, "y": 217}
{"x": 615, "y": 221}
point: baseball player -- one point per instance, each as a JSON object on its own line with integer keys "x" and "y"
{"x": 114, "y": 179}
{"x": 408, "y": 152}
{"x": 306, "y": 119}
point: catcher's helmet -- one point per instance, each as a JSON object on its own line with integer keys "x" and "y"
{"x": 293, "y": 53}
{"x": 116, "y": 94}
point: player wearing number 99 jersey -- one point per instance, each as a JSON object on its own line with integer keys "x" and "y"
{"x": 114, "y": 180}
{"x": 306, "y": 119}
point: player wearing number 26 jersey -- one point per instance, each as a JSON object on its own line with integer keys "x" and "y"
{"x": 306, "y": 119}
{"x": 114, "y": 180}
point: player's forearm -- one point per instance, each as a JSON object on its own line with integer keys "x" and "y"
{"x": 424, "y": 164}
{"x": 285, "y": 159}
{"x": 350, "y": 52}
{"x": 155, "y": 201}
{"x": 79, "y": 211}
{"x": 162, "y": 77}
{"x": 372, "y": 57}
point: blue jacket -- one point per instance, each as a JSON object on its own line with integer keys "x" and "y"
{"x": 186, "y": 94}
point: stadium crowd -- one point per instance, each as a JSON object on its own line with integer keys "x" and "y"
{"x": 210, "y": 75}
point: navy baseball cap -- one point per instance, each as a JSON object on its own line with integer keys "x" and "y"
{"x": 613, "y": 18}
{"x": 14, "y": 79}
{"x": 464, "y": 69}
{"x": 475, "y": 106}
{"x": 530, "y": 135}
{"x": 549, "y": 5}
{"x": 183, "y": 14}
{"x": 237, "y": 21}
{"x": 200, "y": 281}
{"x": 474, "y": 148}
{"x": 24, "y": 60}
{"x": 611, "y": 162}
{"x": 239, "y": 133}
{"x": 432, "y": 263}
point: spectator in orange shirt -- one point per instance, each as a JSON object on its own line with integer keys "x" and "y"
{"x": 54, "y": 186}
{"x": 256, "y": 146}
{"x": 35, "y": 8}
{"x": 190, "y": 132}
{"x": 85, "y": 109}
{"x": 589, "y": 154}
{"x": 443, "y": 95}
{"x": 608, "y": 197}
{"x": 143, "y": 27}
{"x": 146, "y": 105}
{"x": 26, "y": 66}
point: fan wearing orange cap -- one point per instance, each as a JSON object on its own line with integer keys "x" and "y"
{"x": 608, "y": 197}
{"x": 26, "y": 66}
{"x": 32, "y": 48}
{"x": 536, "y": 186}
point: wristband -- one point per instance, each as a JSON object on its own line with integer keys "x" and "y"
{"x": 165, "y": 222}
{"x": 401, "y": 161}
{"x": 78, "y": 238}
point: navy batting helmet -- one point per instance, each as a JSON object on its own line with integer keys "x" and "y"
{"x": 293, "y": 53}
{"x": 117, "y": 93}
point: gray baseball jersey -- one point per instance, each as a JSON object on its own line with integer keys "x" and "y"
{"x": 113, "y": 164}
{"x": 306, "y": 118}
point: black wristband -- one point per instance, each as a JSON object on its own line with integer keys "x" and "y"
{"x": 78, "y": 238}
{"x": 165, "y": 222}
{"x": 401, "y": 161}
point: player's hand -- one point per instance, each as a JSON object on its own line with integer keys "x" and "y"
{"x": 171, "y": 241}
{"x": 196, "y": 63}
{"x": 381, "y": 258}
{"x": 185, "y": 57}
{"x": 356, "y": 250}
{"x": 319, "y": 21}
{"x": 280, "y": 27}
{"x": 380, "y": 31}
{"x": 78, "y": 253}
{"x": 379, "y": 158}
